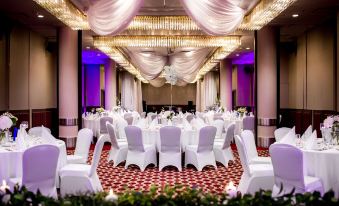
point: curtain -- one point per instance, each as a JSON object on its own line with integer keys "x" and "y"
{"x": 137, "y": 96}
{"x": 210, "y": 85}
{"x": 215, "y": 17}
{"x": 112, "y": 16}
{"x": 198, "y": 97}
{"x": 128, "y": 91}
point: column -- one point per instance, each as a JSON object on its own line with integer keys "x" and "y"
{"x": 198, "y": 97}
{"x": 267, "y": 65}
{"x": 110, "y": 84}
{"x": 68, "y": 85}
{"x": 226, "y": 84}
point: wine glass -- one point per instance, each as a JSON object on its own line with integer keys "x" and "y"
{"x": 299, "y": 141}
{"x": 24, "y": 125}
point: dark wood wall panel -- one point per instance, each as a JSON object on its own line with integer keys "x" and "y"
{"x": 301, "y": 119}
{"x": 45, "y": 117}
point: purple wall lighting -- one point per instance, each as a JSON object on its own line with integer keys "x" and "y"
{"x": 244, "y": 58}
{"x": 92, "y": 84}
{"x": 93, "y": 57}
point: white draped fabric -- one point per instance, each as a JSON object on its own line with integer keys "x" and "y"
{"x": 150, "y": 64}
{"x": 215, "y": 17}
{"x": 137, "y": 96}
{"x": 198, "y": 96}
{"x": 112, "y": 16}
{"x": 187, "y": 64}
{"x": 210, "y": 87}
{"x": 127, "y": 91}
{"x": 158, "y": 82}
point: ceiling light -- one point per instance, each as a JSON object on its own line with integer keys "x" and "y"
{"x": 295, "y": 15}
{"x": 237, "y": 55}
{"x": 247, "y": 48}
{"x": 87, "y": 47}
{"x": 40, "y": 16}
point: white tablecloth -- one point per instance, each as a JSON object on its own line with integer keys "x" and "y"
{"x": 92, "y": 124}
{"x": 11, "y": 161}
{"x": 324, "y": 165}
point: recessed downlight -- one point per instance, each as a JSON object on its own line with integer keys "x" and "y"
{"x": 295, "y": 15}
{"x": 40, "y": 16}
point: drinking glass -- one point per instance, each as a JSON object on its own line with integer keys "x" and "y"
{"x": 24, "y": 125}
{"x": 299, "y": 141}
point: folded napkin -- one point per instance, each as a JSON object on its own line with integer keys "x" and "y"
{"x": 46, "y": 137}
{"x": 311, "y": 142}
{"x": 187, "y": 125}
{"x": 141, "y": 123}
{"x": 289, "y": 138}
{"x": 307, "y": 133}
{"x": 20, "y": 140}
{"x": 153, "y": 123}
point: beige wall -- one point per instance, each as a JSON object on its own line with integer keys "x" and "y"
{"x": 162, "y": 95}
{"x": 32, "y": 72}
{"x": 306, "y": 73}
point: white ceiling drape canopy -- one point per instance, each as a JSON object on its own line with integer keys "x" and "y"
{"x": 215, "y": 17}
{"x": 112, "y": 16}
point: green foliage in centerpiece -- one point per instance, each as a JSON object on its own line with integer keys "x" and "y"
{"x": 172, "y": 196}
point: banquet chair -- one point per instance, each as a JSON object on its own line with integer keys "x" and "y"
{"x": 250, "y": 148}
{"x": 129, "y": 120}
{"x": 37, "y": 131}
{"x": 280, "y": 133}
{"x": 219, "y": 124}
{"x": 254, "y": 176}
{"x": 118, "y": 152}
{"x": 82, "y": 178}
{"x": 189, "y": 117}
{"x": 248, "y": 123}
{"x": 103, "y": 128}
{"x": 222, "y": 150}
{"x": 289, "y": 171}
{"x": 121, "y": 124}
{"x": 170, "y": 148}
{"x": 39, "y": 170}
{"x": 143, "y": 115}
{"x": 202, "y": 154}
{"x": 84, "y": 139}
{"x": 139, "y": 153}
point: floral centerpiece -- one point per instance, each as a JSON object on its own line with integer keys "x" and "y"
{"x": 7, "y": 120}
{"x": 100, "y": 110}
{"x": 170, "y": 115}
{"x": 331, "y": 127}
{"x": 241, "y": 110}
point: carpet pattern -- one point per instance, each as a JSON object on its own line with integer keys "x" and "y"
{"x": 209, "y": 180}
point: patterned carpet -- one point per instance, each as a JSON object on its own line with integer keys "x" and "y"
{"x": 209, "y": 180}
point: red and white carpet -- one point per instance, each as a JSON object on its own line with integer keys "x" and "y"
{"x": 209, "y": 180}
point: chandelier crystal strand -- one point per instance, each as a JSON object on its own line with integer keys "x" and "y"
{"x": 66, "y": 12}
{"x": 168, "y": 41}
{"x": 263, "y": 13}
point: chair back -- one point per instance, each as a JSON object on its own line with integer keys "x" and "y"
{"x": 97, "y": 153}
{"x": 206, "y": 138}
{"x": 39, "y": 166}
{"x": 85, "y": 137}
{"x": 103, "y": 120}
{"x": 229, "y": 135}
{"x": 121, "y": 124}
{"x": 143, "y": 115}
{"x": 170, "y": 139}
{"x": 128, "y": 115}
{"x": 112, "y": 136}
{"x": 189, "y": 117}
{"x": 248, "y": 123}
{"x": 242, "y": 154}
{"x": 288, "y": 166}
{"x": 129, "y": 120}
{"x": 247, "y": 138}
{"x": 134, "y": 138}
{"x": 219, "y": 124}
{"x": 280, "y": 133}
{"x": 37, "y": 131}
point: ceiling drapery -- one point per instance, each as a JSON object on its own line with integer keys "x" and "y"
{"x": 112, "y": 16}
{"x": 215, "y": 17}
{"x": 185, "y": 64}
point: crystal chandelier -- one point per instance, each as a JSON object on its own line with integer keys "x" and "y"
{"x": 170, "y": 75}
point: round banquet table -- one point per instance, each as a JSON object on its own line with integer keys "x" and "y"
{"x": 11, "y": 160}
{"x": 238, "y": 125}
{"x": 324, "y": 165}
{"x": 152, "y": 136}
{"x": 92, "y": 124}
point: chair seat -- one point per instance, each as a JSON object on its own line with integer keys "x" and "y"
{"x": 148, "y": 147}
{"x": 76, "y": 159}
{"x": 218, "y": 144}
{"x": 122, "y": 144}
{"x": 312, "y": 183}
{"x": 261, "y": 160}
{"x": 193, "y": 148}
{"x": 75, "y": 170}
{"x": 261, "y": 170}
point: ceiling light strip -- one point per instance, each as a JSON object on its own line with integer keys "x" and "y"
{"x": 167, "y": 41}
{"x": 119, "y": 58}
{"x": 263, "y": 13}
{"x": 66, "y": 12}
